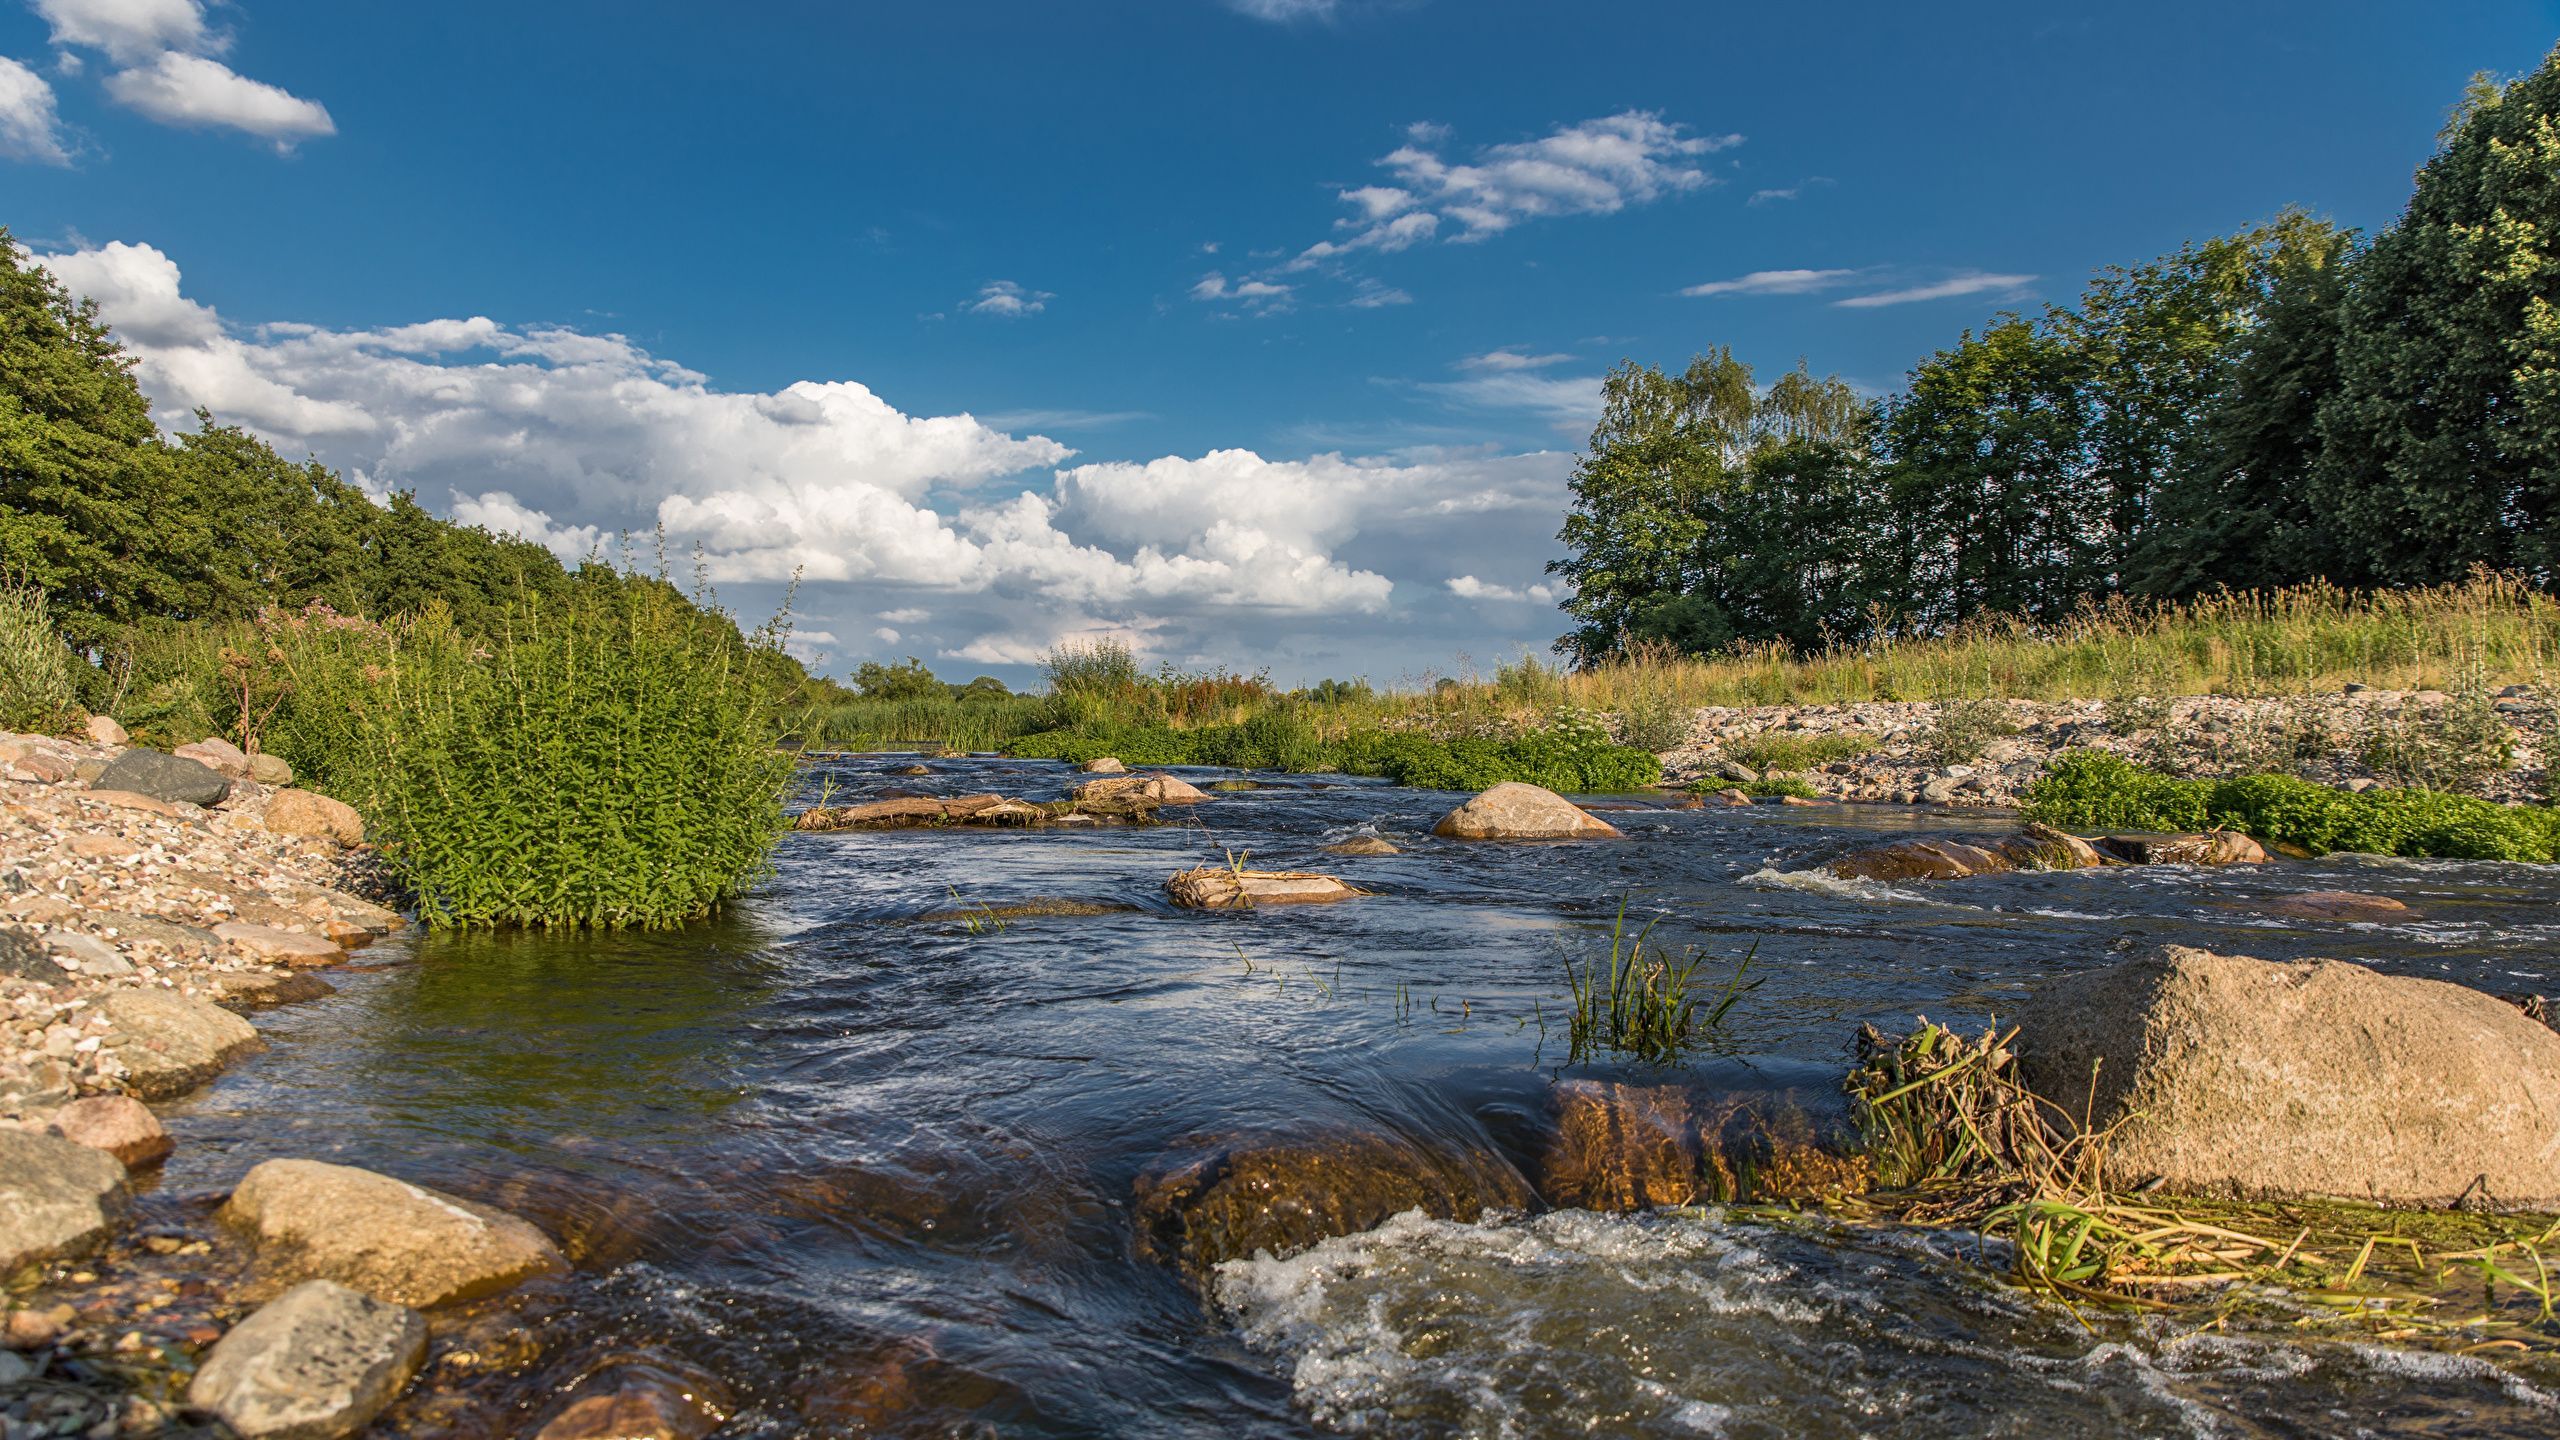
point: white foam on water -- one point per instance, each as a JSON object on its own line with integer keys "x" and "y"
{"x": 1823, "y": 882}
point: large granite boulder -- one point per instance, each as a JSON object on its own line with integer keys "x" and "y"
{"x": 1227, "y": 1199}
{"x": 1216, "y": 887}
{"x": 316, "y": 1363}
{"x": 1513, "y": 811}
{"x": 300, "y": 812}
{"x": 163, "y": 777}
{"x": 2225, "y": 1074}
{"x": 56, "y": 1198}
{"x": 170, "y": 1043}
{"x": 1162, "y": 789}
{"x": 393, "y": 1240}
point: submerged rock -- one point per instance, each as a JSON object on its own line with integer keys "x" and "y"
{"x": 1216, "y": 887}
{"x": 1363, "y": 845}
{"x": 316, "y": 1363}
{"x": 984, "y": 811}
{"x": 57, "y": 1198}
{"x": 164, "y": 777}
{"x": 393, "y": 1240}
{"x": 2343, "y": 905}
{"x": 643, "y": 1405}
{"x": 2213, "y": 847}
{"x": 2223, "y": 1073}
{"x": 170, "y": 1043}
{"x": 2034, "y": 847}
{"x": 1513, "y": 811}
{"x": 1632, "y": 1147}
{"x": 1233, "y": 1198}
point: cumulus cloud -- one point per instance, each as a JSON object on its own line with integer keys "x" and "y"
{"x": 1774, "y": 282}
{"x": 1007, "y": 300}
{"x": 1972, "y": 282}
{"x": 29, "y": 127}
{"x": 1468, "y": 587}
{"x": 164, "y": 49}
{"x": 195, "y": 91}
{"x": 969, "y": 542}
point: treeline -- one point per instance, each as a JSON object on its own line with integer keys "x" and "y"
{"x": 2289, "y": 404}
{"x": 131, "y": 534}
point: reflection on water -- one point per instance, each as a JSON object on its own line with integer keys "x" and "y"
{"x": 873, "y": 1171}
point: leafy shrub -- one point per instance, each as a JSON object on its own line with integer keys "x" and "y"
{"x": 1767, "y": 787}
{"x": 35, "y": 668}
{"x": 1961, "y": 730}
{"x": 1791, "y": 750}
{"x": 600, "y": 763}
{"x": 1655, "y": 720}
{"x": 2090, "y": 789}
{"x": 2453, "y": 746}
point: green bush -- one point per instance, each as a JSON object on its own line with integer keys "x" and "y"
{"x": 599, "y": 763}
{"x": 2090, "y": 789}
{"x": 1790, "y": 750}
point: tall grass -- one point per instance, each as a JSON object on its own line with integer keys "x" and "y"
{"x": 601, "y": 761}
{"x": 35, "y": 669}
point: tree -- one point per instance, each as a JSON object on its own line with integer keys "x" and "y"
{"x": 911, "y": 681}
{"x": 2440, "y": 444}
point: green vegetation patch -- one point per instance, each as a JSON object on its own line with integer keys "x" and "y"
{"x": 1790, "y": 750}
{"x": 2094, "y": 790}
{"x": 1568, "y": 758}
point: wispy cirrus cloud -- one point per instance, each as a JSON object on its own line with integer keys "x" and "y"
{"x": 1971, "y": 282}
{"x": 1773, "y": 282}
{"x": 1286, "y": 11}
{"x": 1007, "y": 300}
{"x": 1813, "y": 282}
{"x": 1511, "y": 357}
{"x": 1253, "y": 297}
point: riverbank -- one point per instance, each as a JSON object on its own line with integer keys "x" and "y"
{"x": 1986, "y": 753}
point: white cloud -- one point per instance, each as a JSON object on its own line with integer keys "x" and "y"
{"x": 886, "y": 636}
{"x": 1774, "y": 282}
{"x": 1370, "y": 295}
{"x": 1286, "y": 11}
{"x": 1597, "y": 167}
{"x": 1258, "y": 297}
{"x": 1511, "y": 357}
{"x": 1007, "y": 300}
{"x": 180, "y": 89}
{"x": 1468, "y": 587}
{"x": 29, "y": 127}
{"x": 131, "y": 31}
{"x": 940, "y": 528}
{"x": 1970, "y": 283}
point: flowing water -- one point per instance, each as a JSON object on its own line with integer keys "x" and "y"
{"x": 872, "y": 1172}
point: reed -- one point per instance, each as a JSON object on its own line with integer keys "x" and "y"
{"x": 1644, "y": 1000}
{"x": 35, "y": 668}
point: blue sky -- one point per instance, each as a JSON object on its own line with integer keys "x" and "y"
{"x": 1256, "y": 332}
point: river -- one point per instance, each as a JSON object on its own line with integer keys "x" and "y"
{"x": 870, "y": 1172}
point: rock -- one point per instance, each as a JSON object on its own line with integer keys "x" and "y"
{"x": 1736, "y": 771}
{"x": 1162, "y": 789}
{"x": 1216, "y": 887}
{"x": 177, "y": 938}
{"x": 104, "y": 731}
{"x": 2038, "y": 846}
{"x": 1513, "y": 811}
{"x": 1237, "y": 786}
{"x": 21, "y": 958}
{"x": 57, "y": 1198}
{"x": 128, "y": 800}
{"x": 94, "y": 956}
{"x": 393, "y": 1240}
{"x": 117, "y": 1124}
{"x": 316, "y": 1363}
{"x": 1229, "y": 1199}
{"x": 36, "y": 1082}
{"x": 101, "y": 847}
{"x": 169, "y": 1043}
{"x": 1362, "y": 845}
{"x": 891, "y": 814}
{"x": 2343, "y": 905}
{"x": 1103, "y": 765}
{"x": 286, "y": 947}
{"x": 301, "y": 812}
{"x": 218, "y": 754}
{"x": 43, "y": 766}
{"x": 2221, "y": 1073}
{"x": 913, "y": 770}
{"x": 271, "y": 770}
{"x": 257, "y": 989}
{"x": 1632, "y": 1147}
{"x": 2214, "y": 847}
{"x": 1917, "y": 860}
{"x": 167, "y": 778}
{"x": 1729, "y": 796}
{"x": 1794, "y": 800}
{"x": 637, "y": 1408}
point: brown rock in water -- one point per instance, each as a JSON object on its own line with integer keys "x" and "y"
{"x": 1216, "y": 887}
{"x": 894, "y": 814}
{"x": 1362, "y": 845}
{"x": 1513, "y": 811}
{"x": 1633, "y": 1147}
{"x": 1229, "y": 1199}
{"x": 1917, "y": 860}
{"x": 117, "y": 1124}
{"x": 257, "y": 989}
{"x": 2214, "y": 847}
{"x": 2038, "y": 846}
{"x": 300, "y": 812}
{"x": 1728, "y": 796}
{"x": 643, "y": 1405}
{"x": 2315, "y": 1077}
{"x": 1162, "y": 789}
{"x": 393, "y": 1240}
{"x": 1103, "y": 765}
{"x": 171, "y": 1043}
{"x": 56, "y": 1198}
{"x": 2343, "y": 905}
{"x": 283, "y": 947}
{"x": 317, "y": 1363}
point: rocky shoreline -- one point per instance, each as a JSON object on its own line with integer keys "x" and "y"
{"x": 1908, "y": 759}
